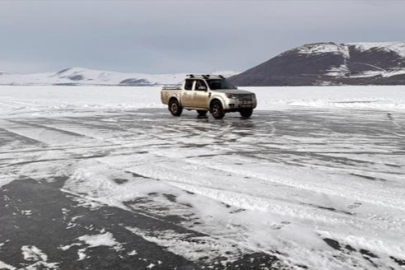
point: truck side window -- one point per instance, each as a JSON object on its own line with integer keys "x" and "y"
{"x": 189, "y": 85}
{"x": 200, "y": 85}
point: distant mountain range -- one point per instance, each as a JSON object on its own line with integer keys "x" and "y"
{"x": 82, "y": 76}
{"x": 331, "y": 64}
{"x": 311, "y": 64}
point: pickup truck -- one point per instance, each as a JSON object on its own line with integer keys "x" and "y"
{"x": 211, "y": 93}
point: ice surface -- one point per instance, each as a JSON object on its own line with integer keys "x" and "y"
{"x": 313, "y": 163}
{"x": 37, "y": 101}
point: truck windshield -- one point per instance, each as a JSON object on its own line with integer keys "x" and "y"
{"x": 216, "y": 84}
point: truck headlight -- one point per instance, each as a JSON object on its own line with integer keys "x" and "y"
{"x": 229, "y": 95}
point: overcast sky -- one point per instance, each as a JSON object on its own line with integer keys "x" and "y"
{"x": 170, "y": 36}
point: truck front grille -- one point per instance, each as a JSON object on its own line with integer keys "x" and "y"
{"x": 245, "y": 97}
{"x": 245, "y": 100}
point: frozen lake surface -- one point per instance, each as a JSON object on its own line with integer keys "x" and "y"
{"x": 105, "y": 177}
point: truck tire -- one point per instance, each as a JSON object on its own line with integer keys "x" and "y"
{"x": 175, "y": 108}
{"x": 246, "y": 113}
{"x": 217, "y": 110}
{"x": 202, "y": 113}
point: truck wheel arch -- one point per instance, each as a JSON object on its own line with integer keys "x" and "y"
{"x": 216, "y": 99}
{"x": 217, "y": 110}
{"x": 174, "y": 107}
{"x": 173, "y": 98}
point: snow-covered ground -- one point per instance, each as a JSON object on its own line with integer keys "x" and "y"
{"x": 51, "y": 100}
{"x": 315, "y": 178}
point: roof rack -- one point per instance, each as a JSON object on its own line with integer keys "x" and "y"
{"x": 206, "y": 76}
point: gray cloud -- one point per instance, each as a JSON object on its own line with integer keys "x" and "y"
{"x": 181, "y": 36}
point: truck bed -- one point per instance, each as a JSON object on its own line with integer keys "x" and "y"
{"x": 172, "y": 87}
{"x": 168, "y": 91}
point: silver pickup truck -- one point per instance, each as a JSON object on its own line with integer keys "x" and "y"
{"x": 211, "y": 93}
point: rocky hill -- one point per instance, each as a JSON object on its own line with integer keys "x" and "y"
{"x": 331, "y": 64}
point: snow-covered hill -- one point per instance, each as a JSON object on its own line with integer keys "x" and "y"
{"x": 82, "y": 76}
{"x": 331, "y": 63}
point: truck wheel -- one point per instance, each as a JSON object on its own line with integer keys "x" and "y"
{"x": 175, "y": 108}
{"x": 246, "y": 112}
{"x": 202, "y": 113}
{"x": 217, "y": 110}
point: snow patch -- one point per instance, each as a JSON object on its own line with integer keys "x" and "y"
{"x": 32, "y": 253}
{"x": 194, "y": 248}
{"x": 105, "y": 239}
{"x": 81, "y": 253}
{"x": 340, "y": 71}
{"x": 397, "y": 47}
{"x": 324, "y": 48}
{"x": 40, "y": 259}
{"x": 3, "y": 265}
{"x": 95, "y": 240}
{"x": 5, "y": 180}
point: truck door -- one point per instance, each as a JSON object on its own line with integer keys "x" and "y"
{"x": 187, "y": 95}
{"x": 200, "y": 95}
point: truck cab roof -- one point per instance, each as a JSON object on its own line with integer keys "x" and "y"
{"x": 204, "y": 77}
{"x": 210, "y": 82}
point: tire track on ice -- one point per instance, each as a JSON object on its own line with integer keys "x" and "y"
{"x": 169, "y": 171}
{"x": 20, "y": 137}
{"x": 39, "y": 126}
{"x": 332, "y": 188}
{"x": 317, "y": 220}
{"x": 180, "y": 234}
{"x": 224, "y": 190}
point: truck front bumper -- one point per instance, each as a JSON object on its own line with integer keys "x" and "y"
{"x": 237, "y": 105}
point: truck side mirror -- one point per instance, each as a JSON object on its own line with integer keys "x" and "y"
{"x": 202, "y": 88}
